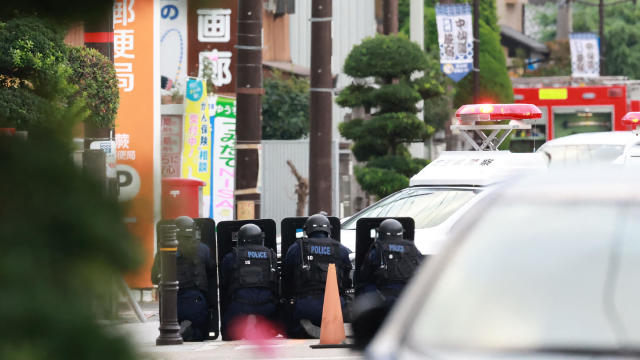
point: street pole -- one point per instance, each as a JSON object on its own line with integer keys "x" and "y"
{"x": 169, "y": 328}
{"x": 601, "y": 34}
{"x": 321, "y": 126}
{"x": 249, "y": 105}
{"x": 476, "y": 51}
{"x": 390, "y": 11}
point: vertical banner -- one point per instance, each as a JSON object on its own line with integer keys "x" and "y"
{"x": 173, "y": 43}
{"x": 196, "y": 140}
{"x": 585, "y": 54}
{"x": 133, "y": 49}
{"x": 455, "y": 39}
{"x": 223, "y": 155}
{"x": 171, "y": 145}
{"x": 212, "y": 40}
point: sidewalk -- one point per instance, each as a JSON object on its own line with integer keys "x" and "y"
{"x": 143, "y": 336}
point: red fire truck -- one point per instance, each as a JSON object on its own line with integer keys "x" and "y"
{"x": 571, "y": 109}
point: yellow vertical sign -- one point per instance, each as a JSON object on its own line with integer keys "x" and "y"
{"x": 196, "y": 142}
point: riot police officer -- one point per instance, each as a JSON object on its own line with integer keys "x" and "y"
{"x": 249, "y": 278}
{"x": 195, "y": 270}
{"x": 390, "y": 262}
{"x": 304, "y": 277}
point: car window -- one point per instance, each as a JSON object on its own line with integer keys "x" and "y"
{"x": 427, "y": 206}
{"x": 572, "y": 154}
{"x": 539, "y": 276}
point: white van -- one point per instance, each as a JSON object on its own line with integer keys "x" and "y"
{"x": 586, "y": 148}
{"x": 439, "y": 194}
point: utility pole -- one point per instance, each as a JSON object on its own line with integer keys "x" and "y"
{"x": 249, "y": 113}
{"x": 390, "y": 11}
{"x": 321, "y": 126}
{"x": 476, "y": 51}
{"x": 601, "y": 35}
{"x": 564, "y": 21}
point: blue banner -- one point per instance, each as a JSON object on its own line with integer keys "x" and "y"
{"x": 455, "y": 39}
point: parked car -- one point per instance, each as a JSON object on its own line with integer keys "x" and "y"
{"x": 586, "y": 148}
{"x": 439, "y": 194}
{"x": 543, "y": 267}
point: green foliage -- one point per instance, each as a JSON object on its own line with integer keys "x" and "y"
{"x": 622, "y": 36}
{"x": 559, "y": 63}
{"x": 63, "y": 244}
{"x": 285, "y": 107}
{"x": 390, "y": 61}
{"x": 396, "y": 98}
{"x": 356, "y": 95}
{"x": 546, "y": 17}
{"x": 380, "y": 182}
{"x": 385, "y": 57}
{"x": 64, "y": 241}
{"x": 95, "y": 77}
{"x": 495, "y": 84}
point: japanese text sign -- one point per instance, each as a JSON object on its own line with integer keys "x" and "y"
{"x": 455, "y": 39}
{"x": 224, "y": 146}
{"x": 585, "y": 55}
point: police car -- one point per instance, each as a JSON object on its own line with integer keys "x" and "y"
{"x": 593, "y": 147}
{"x": 631, "y": 154}
{"x": 439, "y": 194}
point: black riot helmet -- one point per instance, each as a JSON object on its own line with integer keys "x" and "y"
{"x": 316, "y": 223}
{"x": 250, "y": 234}
{"x": 188, "y": 230}
{"x": 390, "y": 229}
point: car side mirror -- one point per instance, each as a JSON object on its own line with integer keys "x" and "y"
{"x": 369, "y": 312}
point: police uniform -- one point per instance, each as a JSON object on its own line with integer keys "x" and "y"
{"x": 249, "y": 278}
{"x": 304, "y": 276}
{"x": 390, "y": 262}
{"x": 195, "y": 271}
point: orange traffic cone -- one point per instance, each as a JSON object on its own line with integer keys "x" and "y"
{"x": 332, "y": 327}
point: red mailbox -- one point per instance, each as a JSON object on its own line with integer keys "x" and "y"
{"x": 181, "y": 197}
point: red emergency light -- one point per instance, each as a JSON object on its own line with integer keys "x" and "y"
{"x": 496, "y": 112}
{"x": 631, "y": 118}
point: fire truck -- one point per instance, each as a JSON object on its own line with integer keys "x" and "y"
{"x": 571, "y": 106}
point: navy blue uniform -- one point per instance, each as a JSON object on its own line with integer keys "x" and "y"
{"x": 304, "y": 293}
{"x": 239, "y": 300}
{"x": 196, "y": 271}
{"x": 388, "y": 276}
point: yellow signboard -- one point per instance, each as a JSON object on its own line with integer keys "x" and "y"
{"x": 553, "y": 94}
{"x": 196, "y": 142}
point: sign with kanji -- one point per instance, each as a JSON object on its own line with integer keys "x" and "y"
{"x": 224, "y": 156}
{"x": 585, "y": 54}
{"x": 173, "y": 43}
{"x": 196, "y": 138}
{"x": 455, "y": 39}
{"x": 134, "y": 44}
{"x": 212, "y": 27}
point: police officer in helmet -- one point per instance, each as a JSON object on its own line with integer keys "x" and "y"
{"x": 390, "y": 262}
{"x": 250, "y": 279}
{"x": 305, "y": 273}
{"x": 195, "y": 270}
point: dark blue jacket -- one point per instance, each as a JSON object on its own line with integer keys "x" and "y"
{"x": 248, "y": 295}
{"x": 291, "y": 266}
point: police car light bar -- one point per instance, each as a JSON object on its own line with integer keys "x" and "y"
{"x": 632, "y": 119}
{"x": 469, "y": 117}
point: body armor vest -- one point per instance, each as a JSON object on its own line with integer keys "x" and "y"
{"x": 254, "y": 266}
{"x": 192, "y": 272}
{"x": 398, "y": 260}
{"x": 317, "y": 254}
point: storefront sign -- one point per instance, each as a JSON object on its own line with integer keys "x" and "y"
{"x": 224, "y": 164}
{"x": 455, "y": 38}
{"x": 134, "y": 42}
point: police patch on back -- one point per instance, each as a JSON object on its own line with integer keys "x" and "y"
{"x": 257, "y": 254}
{"x": 320, "y": 250}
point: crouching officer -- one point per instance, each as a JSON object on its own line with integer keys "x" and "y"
{"x": 390, "y": 262}
{"x": 305, "y": 274}
{"x": 195, "y": 268}
{"x": 250, "y": 279}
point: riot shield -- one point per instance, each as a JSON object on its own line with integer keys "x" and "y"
{"x": 366, "y": 235}
{"x": 291, "y": 230}
{"x": 208, "y": 237}
{"x": 228, "y": 239}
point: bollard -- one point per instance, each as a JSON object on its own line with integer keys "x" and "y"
{"x": 169, "y": 327}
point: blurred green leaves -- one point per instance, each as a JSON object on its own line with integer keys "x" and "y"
{"x": 285, "y": 107}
